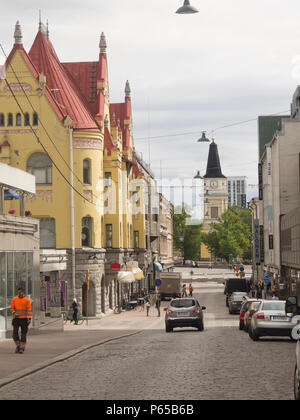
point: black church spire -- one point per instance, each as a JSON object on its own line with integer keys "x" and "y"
{"x": 213, "y": 169}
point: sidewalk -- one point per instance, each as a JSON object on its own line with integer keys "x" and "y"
{"x": 45, "y": 349}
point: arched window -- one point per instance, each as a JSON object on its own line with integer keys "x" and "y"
{"x": 40, "y": 165}
{"x": 86, "y": 172}
{"x": 10, "y": 121}
{"x": 35, "y": 120}
{"x": 86, "y": 232}
{"x": 2, "y": 120}
{"x": 18, "y": 120}
{"x": 26, "y": 119}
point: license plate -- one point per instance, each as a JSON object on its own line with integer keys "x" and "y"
{"x": 279, "y": 318}
{"x": 183, "y": 314}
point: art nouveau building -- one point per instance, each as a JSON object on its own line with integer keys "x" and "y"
{"x": 57, "y": 123}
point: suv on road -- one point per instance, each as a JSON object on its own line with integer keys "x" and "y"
{"x": 184, "y": 312}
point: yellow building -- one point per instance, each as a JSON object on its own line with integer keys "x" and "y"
{"x": 57, "y": 123}
{"x": 215, "y": 194}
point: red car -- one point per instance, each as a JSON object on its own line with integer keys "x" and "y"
{"x": 243, "y": 311}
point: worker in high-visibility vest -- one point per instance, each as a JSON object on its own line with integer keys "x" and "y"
{"x": 22, "y": 314}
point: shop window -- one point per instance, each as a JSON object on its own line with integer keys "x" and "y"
{"x": 40, "y": 165}
{"x": 2, "y": 120}
{"x": 47, "y": 233}
{"x": 10, "y": 120}
{"x": 86, "y": 232}
{"x": 18, "y": 120}
{"x": 108, "y": 229}
{"x": 86, "y": 172}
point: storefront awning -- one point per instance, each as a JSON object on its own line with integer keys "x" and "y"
{"x": 138, "y": 273}
{"x": 126, "y": 277}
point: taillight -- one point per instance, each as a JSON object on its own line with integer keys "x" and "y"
{"x": 168, "y": 312}
{"x": 197, "y": 311}
{"x": 260, "y": 316}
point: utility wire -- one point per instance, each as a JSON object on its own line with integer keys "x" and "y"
{"x": 211, "y": 132}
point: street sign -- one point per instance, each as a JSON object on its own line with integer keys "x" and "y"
{"x": 158, "y": 282}
{"x": 115, "y": 267}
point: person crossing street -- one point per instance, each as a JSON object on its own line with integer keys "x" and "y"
{"x": 22, "y": 314}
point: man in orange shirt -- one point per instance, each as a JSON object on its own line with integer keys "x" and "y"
{"x": 22, "y": 314}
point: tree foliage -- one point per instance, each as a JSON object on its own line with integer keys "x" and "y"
{"x": 231, "y": 236}
{"x": 187, "y": 234}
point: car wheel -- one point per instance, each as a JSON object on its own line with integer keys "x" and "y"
{"x": 254, "y": 336}
{"x": 296, "y": 385}
{"x": 168, "y": 328}
{"x": 201, "y": 326}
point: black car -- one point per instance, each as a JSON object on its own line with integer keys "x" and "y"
{"x": 235, "y": 285}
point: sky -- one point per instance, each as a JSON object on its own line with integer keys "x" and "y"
{"x": 231, "y": 62}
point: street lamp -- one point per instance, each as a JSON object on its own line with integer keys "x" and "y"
{"x": 198, "y": 176}
{"x": 204, "y": 139}
{"x": 187, "y": 9}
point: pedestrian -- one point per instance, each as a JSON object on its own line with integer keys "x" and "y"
{"x": 22, "y": 314}
{"x": 275, "y": 289}
{"x": 183, "y": 294}
{"x": 75, "y": 311}
{"x": 148, "y": 304}
{"x": 157, "y": 304}
{"x": 275, "y": 297}
{"x": 191, "y": 290}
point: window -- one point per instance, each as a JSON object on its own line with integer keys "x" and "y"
{"x": 86, "y": 232}
{"x": 10, "y": 120}
{"x": 109, "y": 236}
{"x": 40, "y": 165}
{"x": 214, "y": 212}
{"x": 26, "y": 119}
{"x": 2, "y": 120}
{"x": 18, "y": 120}
{"x": 107, "y": 177}
{"x": 136, "y": 239}
{"x": 86, "y": 172}
{"x": 35, "y": 119}
{"x": 186, "y": 303}
{"x": 47, "y": 233}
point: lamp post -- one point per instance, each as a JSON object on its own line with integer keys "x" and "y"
{"x": 186, "y": 9}
{"x": 204, "y": 139}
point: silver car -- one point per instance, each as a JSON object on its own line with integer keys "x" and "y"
{"x": 270, "y": 319}
{"x": 184, "y": 312}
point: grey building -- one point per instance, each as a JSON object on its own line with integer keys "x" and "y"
{"x": 237, "y": 191}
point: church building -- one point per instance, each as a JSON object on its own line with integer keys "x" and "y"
{"x": 215, "y": 194}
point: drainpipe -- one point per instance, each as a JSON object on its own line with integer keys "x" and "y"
{"x": 72, "y": 214}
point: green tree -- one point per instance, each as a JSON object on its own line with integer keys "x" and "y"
{"x": 231, "y": 236}
{"x": 186, "y": 233}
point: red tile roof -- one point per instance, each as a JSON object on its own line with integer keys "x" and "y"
{"x": 67, "y": 95}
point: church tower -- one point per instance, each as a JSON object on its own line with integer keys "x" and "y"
{"x": 215, "y": 193}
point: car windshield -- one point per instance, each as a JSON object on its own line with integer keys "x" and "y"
{"x": 254, "y": 306}
{"x": 278, "y": 305}
{"x": 238, "y": 297}
{"x": 184, "y": 303}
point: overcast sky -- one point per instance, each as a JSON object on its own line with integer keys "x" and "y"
{"x": 231, "y": 62}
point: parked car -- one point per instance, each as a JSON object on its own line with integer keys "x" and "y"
{"x": 270, "y": 319}
{"x": 245, "y": 306}
{"x": 235, "y": 302}
{"x": 252, "y": 308}
{"x": 293, "y": 310}
{"x": 235, "y": 285}
{"x": 184, "y": 312}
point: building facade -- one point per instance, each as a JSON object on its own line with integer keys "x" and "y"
{"x": 57, "y": 123}
{"x": 215, "y": 194}
{"x": 237, "y": 191}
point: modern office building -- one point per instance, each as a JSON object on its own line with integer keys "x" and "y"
{"x": 237, "y": 191}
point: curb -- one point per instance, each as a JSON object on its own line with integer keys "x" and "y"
{"x": 43, "y": 365}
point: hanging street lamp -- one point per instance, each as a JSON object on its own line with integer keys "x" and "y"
{"x": 204, "y": 139}
{"x": 187, "y": 9}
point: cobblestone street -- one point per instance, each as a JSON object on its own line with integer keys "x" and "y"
{"x": 219, "y": 363}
